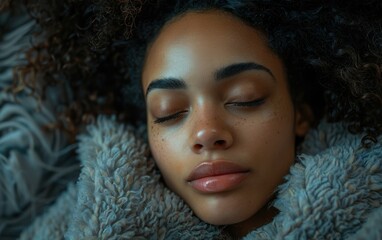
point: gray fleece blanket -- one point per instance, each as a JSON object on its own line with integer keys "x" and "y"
{"x": 35, "y": 166}
{"x": 333, "y": 191}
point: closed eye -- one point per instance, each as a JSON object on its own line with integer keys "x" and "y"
{"x": 170, "y": 117}
{"x": 177, "y": 115}
{"x": 253, "y": 103}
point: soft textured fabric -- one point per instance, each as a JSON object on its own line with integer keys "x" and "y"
{"x": 333, "y": 191}
{"x": 34, "y": 163}
{"x": 119, "y": 195}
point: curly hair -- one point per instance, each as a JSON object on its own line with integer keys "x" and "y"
{"x": 332, "y": 53}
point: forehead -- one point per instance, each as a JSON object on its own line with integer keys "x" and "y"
{"x": 203, "y": 42}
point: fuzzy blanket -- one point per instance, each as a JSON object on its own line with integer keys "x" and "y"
{"x": 35, "y": 166}
{"x": 333, "y": 191}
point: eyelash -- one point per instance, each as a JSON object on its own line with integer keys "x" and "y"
{"x": 170, "y": 117}
{"x": 254, "y": 103}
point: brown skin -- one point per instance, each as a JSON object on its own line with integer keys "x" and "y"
{"x": 208, "y": 125}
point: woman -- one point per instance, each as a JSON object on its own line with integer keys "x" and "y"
{"x": 231, "y": 89}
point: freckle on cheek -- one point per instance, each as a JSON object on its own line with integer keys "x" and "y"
{"x": 239, "y": 122}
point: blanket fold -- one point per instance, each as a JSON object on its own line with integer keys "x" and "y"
{"x": 333, "y": 193}
{"x": 120, "y": 195}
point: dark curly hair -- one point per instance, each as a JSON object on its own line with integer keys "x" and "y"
{"x": 332, "y": 52}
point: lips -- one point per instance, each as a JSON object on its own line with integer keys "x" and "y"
{"x": 217, "y": 176}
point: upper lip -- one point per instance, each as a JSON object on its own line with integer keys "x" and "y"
{"x": 215, "y": 168}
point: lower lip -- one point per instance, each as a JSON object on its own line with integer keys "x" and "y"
{"x": 221, "y": 183}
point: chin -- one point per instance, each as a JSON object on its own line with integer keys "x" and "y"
{"x": 218, "y": 212}
{"x": 221, "y": 218}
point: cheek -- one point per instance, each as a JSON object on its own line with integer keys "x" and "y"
{"x": 167, "y": 154}
{"x": 271, "y": 136}
{"x": 278, "y": 128}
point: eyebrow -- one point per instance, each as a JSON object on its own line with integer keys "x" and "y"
{"x": 225, "y": 72}
{"x": 166, "y": 83}
{"x": 237, "y": 68}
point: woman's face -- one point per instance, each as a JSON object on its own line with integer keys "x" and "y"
{"x": 221, "y": 122}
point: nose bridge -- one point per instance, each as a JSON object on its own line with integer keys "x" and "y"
{"x": 208, "y": 116}
{"x": 211, "y": 130}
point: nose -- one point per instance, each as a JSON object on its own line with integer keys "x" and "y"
{"x": 211, "y": 136}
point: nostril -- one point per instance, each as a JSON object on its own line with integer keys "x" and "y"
{"x": 219, "y": 143}
{"x": 198, "y": 147}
